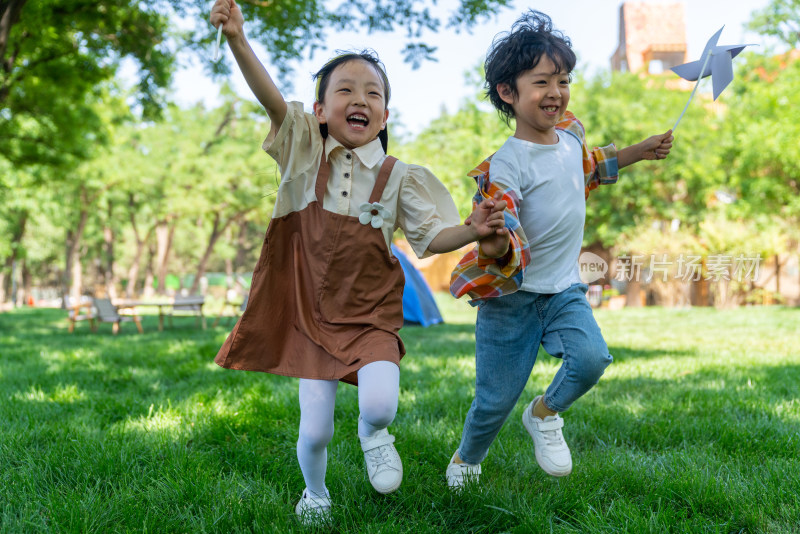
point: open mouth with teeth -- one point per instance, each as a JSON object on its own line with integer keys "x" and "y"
{"x": 358, "y": 121}
{"x": 550, "y": 109}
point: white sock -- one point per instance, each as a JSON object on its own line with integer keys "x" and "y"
{"x": 317, "y": 401}
{"x": 378, "y": 391}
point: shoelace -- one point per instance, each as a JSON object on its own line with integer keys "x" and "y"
{"x": 553, "y": 438}
{"x": 379, "y": 456}
{"x": 466, "y": 470}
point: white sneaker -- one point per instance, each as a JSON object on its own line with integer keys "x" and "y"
{"x": 552, "y": 451}
{"x": 384, "y": 468}
{"x": 313, "y": 510}
{"x": 460, "y": 474}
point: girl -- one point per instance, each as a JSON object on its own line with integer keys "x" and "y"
{"x": 326, "y": 299}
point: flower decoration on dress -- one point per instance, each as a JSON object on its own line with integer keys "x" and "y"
{"x": 373, "y": 213}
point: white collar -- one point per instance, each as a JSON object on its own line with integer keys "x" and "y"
{"x": 370, "y": 154}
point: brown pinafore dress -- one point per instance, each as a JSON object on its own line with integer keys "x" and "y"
{"x": 326, "y": 297}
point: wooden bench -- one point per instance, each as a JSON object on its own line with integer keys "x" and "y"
{"x": 83, "y": 310}
{"x": 188, "y": 305}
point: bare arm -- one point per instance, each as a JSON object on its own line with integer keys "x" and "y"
{"x": 486, "y": 220}
{"x": 227, "y": 13}
{"x": 654, "y": 147}
{"x": 453, "y": 238}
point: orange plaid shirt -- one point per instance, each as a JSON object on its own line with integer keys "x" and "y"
{"x": 483, "y": 277}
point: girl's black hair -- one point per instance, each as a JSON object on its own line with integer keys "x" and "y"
{"x": 531, "y": 37}
{"x": 323, "y": 75}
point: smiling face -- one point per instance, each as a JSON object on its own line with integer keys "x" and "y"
{"x": 354, "y": 104}
{"x": 540, "y": 101}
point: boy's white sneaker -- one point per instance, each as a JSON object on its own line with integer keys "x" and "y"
{"x": 384, "y": 468}
{"x": 460, "y": 474}
{"x": 552, "y": 451}
{"x": 313, "y": 510}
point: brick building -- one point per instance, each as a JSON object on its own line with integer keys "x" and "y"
{"x": 652, "y": 37}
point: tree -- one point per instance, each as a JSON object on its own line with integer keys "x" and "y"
{"x": 781, "y": 19}
{"x": 49, "y": 70}
{"x": 761, "y": 148}
{"x": 292, "y": 29}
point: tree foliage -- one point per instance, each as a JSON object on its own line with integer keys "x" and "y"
{"x": 55, "y": 53}
{"x": 780, "y": 19}
{"x": 88, "y": 186}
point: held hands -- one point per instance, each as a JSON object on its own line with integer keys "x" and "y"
{"x": 486, "y": 224}
{"x": 489, "y": 223}
{"x": 227, "y": 13}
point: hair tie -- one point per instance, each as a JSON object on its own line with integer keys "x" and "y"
{"x": 325, "y": 66}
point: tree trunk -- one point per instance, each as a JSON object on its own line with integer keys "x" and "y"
{"x": 164, "y": 235}
{"x": 229, "y": 280}
{"x": 133, "y": 272}
{"x": 17, "y": 236}
{"x": 9, "y": 15}
{"x": 149, "y": 276}
{"x": 634, "y": 294}
{"x": 108, "y": 267}
{"x": 74, "y": 272}
{"x": 216, "y": 232}
{"x": 242, "y": 248}
{"x": 26, "y": 295}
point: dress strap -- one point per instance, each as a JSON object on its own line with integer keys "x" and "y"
{"x": 322, "y": 177}
{"x": 383, "y": 178}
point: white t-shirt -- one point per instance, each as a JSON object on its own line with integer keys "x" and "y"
{"x": 549, "y": 182}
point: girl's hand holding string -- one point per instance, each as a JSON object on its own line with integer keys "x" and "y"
{"x": 227, "y": 14}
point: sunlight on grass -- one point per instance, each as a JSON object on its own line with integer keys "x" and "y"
{"x": 59, "y": 361}
{"x": 696, "y": 420}
{"x": 68, "y": 394}
{"x": 61, "y": 394}
{"x": 34, "y": 394}
{"x": 167, "y": 422}
{"x": 631, "y": 406}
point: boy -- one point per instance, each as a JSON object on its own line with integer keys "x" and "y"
{"x": 532, "y": 293}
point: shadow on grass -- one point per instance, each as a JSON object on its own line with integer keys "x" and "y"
{"x": 151, "y": 421}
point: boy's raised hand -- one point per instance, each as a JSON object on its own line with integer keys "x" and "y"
{"x": 227, "y": 13}
{"x": 657, "y": 146}
{"x": 654, "y": 147}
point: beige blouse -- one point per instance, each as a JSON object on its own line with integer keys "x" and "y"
{"x": 419, "y": 203}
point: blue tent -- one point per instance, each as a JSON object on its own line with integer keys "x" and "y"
{"x": 418, "y": 304}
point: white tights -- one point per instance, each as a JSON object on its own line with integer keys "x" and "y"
{"x": 378, "y": 389}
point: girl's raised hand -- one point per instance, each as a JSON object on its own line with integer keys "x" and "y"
{"x": 227, "y": 13}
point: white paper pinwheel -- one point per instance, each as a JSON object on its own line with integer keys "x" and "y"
{"x": 716, "y": 61}
{"x": 373, "y": 213}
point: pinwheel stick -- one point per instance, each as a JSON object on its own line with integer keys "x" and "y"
{"x": 700, "y": 77}
{"x": 219, "y": 40}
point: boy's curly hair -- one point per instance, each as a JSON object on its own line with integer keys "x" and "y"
{"x": 531, "y": 37}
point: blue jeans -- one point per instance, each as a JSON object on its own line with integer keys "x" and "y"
{"x": 508, "y": 332}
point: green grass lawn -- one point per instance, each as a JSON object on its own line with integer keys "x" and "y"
{"x": 695, "y": 427}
